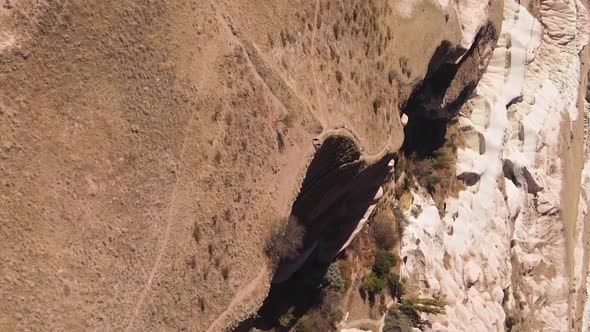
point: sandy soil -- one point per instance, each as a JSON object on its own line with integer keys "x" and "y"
{"x": 142, "y": 145}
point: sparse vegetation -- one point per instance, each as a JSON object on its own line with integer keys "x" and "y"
{"x": 377, "y": 280}
{"x": 416, "y": 211}
{"x": 373, "y": 285}
{"x": 202, "y": 305}
{"x": 384, "y": 261}
{"x": 196, "y": 233}
{"x": 383, "y": 231}
{"x": 333, "y": 278}
{"x": 286, "y": 319}
{"x": 391, "y": 76}
{"x": 395, "y": 321}
{"x": 396, "y": 287}
{"x": 339, "y": 76}
{"x": 377, "y": 103}
{"x": 225, "y": 273}
{"x": 284, "y": 241}
{"x": 406, "y": 314}
{"x": 288, "y": 119}
{"x": 405, "y": 67}
{"x": 425, "y": 305}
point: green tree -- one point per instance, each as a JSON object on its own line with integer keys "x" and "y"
{"x": 384, "y": 261}
{"x": 395, "y": 321}
{"x": 373, "y": 284}
{"x": 396, "y": 287}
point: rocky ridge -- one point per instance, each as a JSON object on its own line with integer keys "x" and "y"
{"x": 505, "y": 249}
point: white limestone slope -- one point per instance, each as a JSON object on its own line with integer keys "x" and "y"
{"x": 501, "y": 247}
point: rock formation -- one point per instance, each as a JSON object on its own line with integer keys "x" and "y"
{"x": 510, "y": 247}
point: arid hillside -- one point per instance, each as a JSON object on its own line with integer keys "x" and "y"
{"x": 149, "y": 148}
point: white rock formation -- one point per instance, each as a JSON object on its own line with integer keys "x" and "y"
{"x": 501, "y": 245}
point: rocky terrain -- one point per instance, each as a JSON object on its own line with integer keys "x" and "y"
{"x": 152, "y": 151}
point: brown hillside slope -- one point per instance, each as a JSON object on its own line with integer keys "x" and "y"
{"x": 146, "y": 148}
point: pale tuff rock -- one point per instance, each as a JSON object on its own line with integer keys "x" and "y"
{"x": 511, "y": 207}
{"x": 472, "y": 16}
{"x": 404, "y": 120}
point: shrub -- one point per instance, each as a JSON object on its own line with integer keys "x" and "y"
{"x": 395, "y": 321}
{"x": 443, "y": 159}
{"x": 323, "y": 317}
{"x": 426, "y": 305}
{"x": 431, "y": 180}
{"x": 286, "y": 318}
{"x": 284, "y": 243}
{"x": 416, "y": 211}
{"x": 339, "y": 76}
{"x": 225, "y": 273}
{"x": 345, "y": 272}
{"x": 384, "y": 261}
{"x": 333, "y": 278}
{"x": 403, "y": 63}
{"x": 383, "y": 231}
{"x": 391, "y": 76}
{"x": 399, "y": 214}
{"x": 312, "y": 322}
{"x": 377, "y": 102}
{"x": 396, "y": 287}
{"x": 288, "y": 119}
{"x": 412, "y": 307}
{"x": 373, "y": 285}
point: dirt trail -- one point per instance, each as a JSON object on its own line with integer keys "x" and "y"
{"x": 379, "y": 323}
{"x": 312, "y": 58}
{"x": 248, "y": 291}
{"x": 166, "y": 235}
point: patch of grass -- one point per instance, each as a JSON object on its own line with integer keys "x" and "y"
{"x": 399, "y": 215}
{"x": 288, "y": 119}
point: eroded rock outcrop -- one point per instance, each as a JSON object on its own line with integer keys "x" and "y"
{"x": 504, "y": 251}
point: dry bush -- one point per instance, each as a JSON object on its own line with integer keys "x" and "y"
{"x": 383, "y": 231}
{"x": 285, "y": 240}
{"x": 339, "y": 76}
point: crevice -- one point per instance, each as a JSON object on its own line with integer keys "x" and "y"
{"x": 336, "y": 192}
